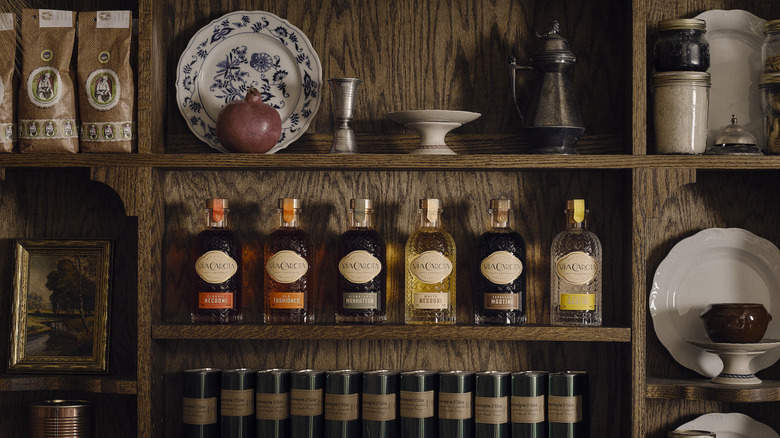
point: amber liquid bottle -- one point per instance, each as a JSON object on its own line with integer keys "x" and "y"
{"x": 217, "y": 265}
{"x": 500, "y": 295}
{"x": 361, "y": 271}
{"x": 287, "y": 276}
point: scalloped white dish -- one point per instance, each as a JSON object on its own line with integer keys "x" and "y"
{"x": 731, "y": 425}
{"x": 716, "y": 265}
{"x": 249, "y": 49}
{"x": 735, "y": 38}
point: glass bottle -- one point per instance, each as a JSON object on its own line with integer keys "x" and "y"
{"x": 576, "y": 271}
{"x": 287, "y": 274}
{"x": 681, "y": 45}
{"x": 217, "y": 265}
{"x": 361, "y": 271}
{"x": 430, "y": 270}
{"x": 500, "y": 294}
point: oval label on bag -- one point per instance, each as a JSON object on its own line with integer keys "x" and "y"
{"x": 43, "y": 86}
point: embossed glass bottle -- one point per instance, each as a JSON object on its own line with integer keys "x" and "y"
{"x": 576, "y": 271}
{"x": 361, "y": 271}
{"x": 430, "y": 270}
{"x": 500, "y": 294}
{"x": 287, "y": 275}
{"x": 217, "y": 265}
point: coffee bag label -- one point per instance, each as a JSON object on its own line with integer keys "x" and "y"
{"x": 577, "y": 268}
{"x": 360, "y": 267}
{"x": 103, "y": 89}
{"x": 6, "y": 21}
{"x": 55, "y": 18}
{"x": 199, "y": 411}
{"x": 215, "y": 267}
{"x": 527, "y": 410}
{"x": 286, "y": 267}
{"x": 379, "y": 407}
{"x": 44, "y": 84}
{"x": 430, "y": 267}
{"x": 113, "y": 19}
{"x": 501, "y": 267}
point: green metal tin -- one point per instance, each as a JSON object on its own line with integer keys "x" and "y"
{"x": 418, "y": 404}
{"x": 456, "y": 404}
{"x": 200, "y": 390}
{"x": 568, "y": 414}
{"x": 272, "y": 403}
{"x": 380, "y": 404}
{"x": 491, "y": 404}
{"x": 306, "y": 403}
{"x": 342, "y": 404}
{"x": 527, "y": 408}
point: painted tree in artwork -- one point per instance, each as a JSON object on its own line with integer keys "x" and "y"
{"x": 73, "y": 286}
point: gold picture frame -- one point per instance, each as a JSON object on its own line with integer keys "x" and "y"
{"x": 60, "y": 306}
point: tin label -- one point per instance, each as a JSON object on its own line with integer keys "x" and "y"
{"x": 360, "y": 267}
{"x": 502, "y": 302}
{"x": 237, "y": 403}
{"x": 286, "y": 267}
{"x": 528, "y": 410}
{"x": 341, "y": 407}
{"x": 431, "y": 300}
{"x": 215, "y": 267}
{"x": 286, "y": 300}
{"x": 454, "y": 406}
{"x": 416, "y": 404}
{"x": 564, "y": 409}
{"x": 306, "y": 402}
{"x": 578, "y": 302}
{"x": 272, "y": 406}
{"x": 501, "y": 267}
{"x": 378, "y": 407}
{"x": 430, "y": 267}
{"x": 215, "y": 300}
{"x": 491, "y": 410}
{"x": 360, "y": 300}
{"x": 199, "y": 411}
{"x": 577, "y": 268}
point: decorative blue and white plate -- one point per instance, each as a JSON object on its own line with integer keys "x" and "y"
{"x": 249, "y": 49}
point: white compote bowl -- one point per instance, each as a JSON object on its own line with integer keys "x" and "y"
{"x": 433, "y": 126}
{"x": 736, "y": 359}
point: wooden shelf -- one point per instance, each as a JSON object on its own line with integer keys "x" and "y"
{"x": 391, "y": 332}
{"x": 94, "y": 384}
{"x": 702, "y": 389}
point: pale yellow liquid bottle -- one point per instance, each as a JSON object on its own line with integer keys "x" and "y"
{"x": 430, "y": 270}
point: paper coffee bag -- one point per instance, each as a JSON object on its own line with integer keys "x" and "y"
{"x": 7, "y": 85}
{"x": 105, "y": 82}
{"x": 47, "y": 98}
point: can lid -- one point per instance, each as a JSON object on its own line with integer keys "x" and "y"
{"x": 769, "y": 79}
{"x": 681, "y": 77}
{"x": 682, "y": 24}
{"x": 771, "y": 26}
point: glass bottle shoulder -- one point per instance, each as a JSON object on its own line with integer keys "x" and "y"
{"x": 577, "y": 238}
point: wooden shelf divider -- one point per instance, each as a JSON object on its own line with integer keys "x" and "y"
{"x": 703, "y": 389}
{"x": 94, "y": 384}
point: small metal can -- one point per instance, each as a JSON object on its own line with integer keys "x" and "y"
{"x": 237, "y": 403}
{"x": 200, "y": 391}
{"x": 418, "y": 404}
{"x": 342, "y": 404}
{"x": 272, "y": 403}
{"x": 61, "y": 418}
{"x": 380, "y": 406}
{"x": 306, "y": 403}
{"x": 568, "y": 413}
{"x": 690, "y": 434}
{"x": 528, "y": 412}
{"x": 456, "y": 407}
{"x": 491, "y": 405}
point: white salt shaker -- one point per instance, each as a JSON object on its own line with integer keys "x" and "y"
{"x": 681, "y": 101}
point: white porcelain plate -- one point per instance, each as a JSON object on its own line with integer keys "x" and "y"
{"x": 249, "y": 49}
{"x": 732, "y": 425}
{"x": 716, "y": 265}
{"x": 451, "y": 116}
{"x": 735, "y": 38}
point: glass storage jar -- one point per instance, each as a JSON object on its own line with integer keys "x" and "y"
{"x": 681, "y": 101}
{"x": 770, "y": 50}
{"x": 681, "y": 46}
{"x": 769, "y": 84}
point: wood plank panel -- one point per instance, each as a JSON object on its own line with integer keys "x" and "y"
{"x": 667, "y": 415}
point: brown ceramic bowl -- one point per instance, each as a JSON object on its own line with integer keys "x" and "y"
{"x": 741, "y": 323}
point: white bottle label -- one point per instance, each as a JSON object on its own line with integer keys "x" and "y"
{"x": 286, "y": 267}
{"x": 577, "y": 268}
{"x": 360, "y": 267}
{"x": 430, "y": 267}
{"x": 215, "y": 267}
{"x": 501, "y": 267}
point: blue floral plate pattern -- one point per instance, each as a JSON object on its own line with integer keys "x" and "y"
{"x": 249, "y": 49}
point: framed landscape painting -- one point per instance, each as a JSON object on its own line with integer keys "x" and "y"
{"x": 60, "y": 306}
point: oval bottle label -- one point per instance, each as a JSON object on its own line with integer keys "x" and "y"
{"x": 360, "y": 267}
{"x": 286, "y": 267}
{"x": 430, "y": 267}
{"x": 215, "y": 267}
{"x": 501, "y": 267}
{"x": 577, "y": 268}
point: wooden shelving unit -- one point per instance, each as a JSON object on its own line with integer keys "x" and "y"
{"x": 420, "y": 54}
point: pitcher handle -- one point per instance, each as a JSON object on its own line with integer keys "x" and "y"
{"x": 512, "y": 68}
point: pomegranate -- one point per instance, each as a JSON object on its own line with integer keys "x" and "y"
{"x": 249, "y": 125}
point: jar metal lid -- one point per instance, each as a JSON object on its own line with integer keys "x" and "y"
{"x": 769, "y": 79}
{"x": 682, "y": 24}
{"x": 681, "y": 77}
{"x": 771, "y": 26}
{"x": 690, "y": 434}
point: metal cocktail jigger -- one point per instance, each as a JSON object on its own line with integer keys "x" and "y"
{"x": 343, "y": 90}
